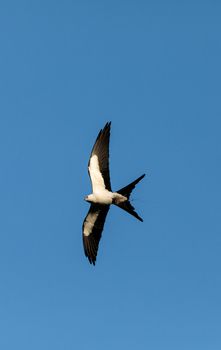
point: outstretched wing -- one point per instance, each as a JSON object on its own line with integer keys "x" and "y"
{"x": 98, "y": 165}
{"x": 92, "y": 229}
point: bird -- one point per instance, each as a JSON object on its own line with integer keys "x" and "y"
{"x": 102, "y": 196}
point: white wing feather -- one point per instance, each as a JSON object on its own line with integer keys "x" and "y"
{"x": 97, "y": 180}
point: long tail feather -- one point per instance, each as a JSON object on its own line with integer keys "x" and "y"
{"x": 126, "y": 192}
{"x": 130, "y": 209}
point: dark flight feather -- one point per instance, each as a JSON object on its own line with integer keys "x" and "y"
{"x": 101, "y": 150}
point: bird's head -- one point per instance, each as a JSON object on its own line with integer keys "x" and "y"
{"x": 88, "y": 198}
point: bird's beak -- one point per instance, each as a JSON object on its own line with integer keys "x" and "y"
{"x": 85, "y": 198}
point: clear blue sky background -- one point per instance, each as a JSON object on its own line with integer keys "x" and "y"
{"x": 153, "y": 69}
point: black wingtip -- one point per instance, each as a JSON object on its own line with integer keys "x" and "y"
{"x": 107, "y": 125}
{"x": 142, "y": 176}
{"x": 92, "y": 260}
{"x": 105, "y": 129}
{"x": 137, "y": 216}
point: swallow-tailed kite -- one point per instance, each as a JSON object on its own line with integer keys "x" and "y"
{"x": 102, "y": 196}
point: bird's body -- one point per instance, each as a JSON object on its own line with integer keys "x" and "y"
{"x": 105, "y": 197}
{"x": 102, "y": 196}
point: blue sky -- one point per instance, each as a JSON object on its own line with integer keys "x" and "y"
{"x": 153, "y": 69}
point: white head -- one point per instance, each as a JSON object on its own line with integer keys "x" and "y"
{"x": 89, "y": 198}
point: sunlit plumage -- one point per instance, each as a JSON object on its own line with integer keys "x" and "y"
{"x": 102, "y": 196}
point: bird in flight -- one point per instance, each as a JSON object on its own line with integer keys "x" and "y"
{"x": 102, "y": 196}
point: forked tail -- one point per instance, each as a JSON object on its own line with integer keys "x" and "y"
{"x": 126, "y": 192}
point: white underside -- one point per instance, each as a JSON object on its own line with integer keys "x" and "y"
{"x": 106, "y": 197}
{"x": 101, "y": 197}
